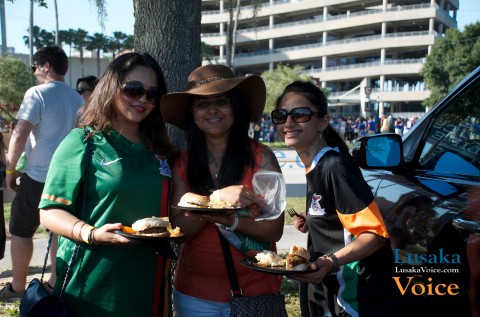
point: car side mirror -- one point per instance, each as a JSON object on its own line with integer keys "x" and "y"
{"x": 378, "y": 151}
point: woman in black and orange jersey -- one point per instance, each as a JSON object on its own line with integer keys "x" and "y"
{"x": 347, "y": 234}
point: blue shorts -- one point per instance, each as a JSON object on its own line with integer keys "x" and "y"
{"x": 188, "y": 306}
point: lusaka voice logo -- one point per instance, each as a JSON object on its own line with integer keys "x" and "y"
{"x": 414, "y": 264}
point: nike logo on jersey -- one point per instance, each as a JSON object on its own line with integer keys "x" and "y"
{"x": 103, "y": 163}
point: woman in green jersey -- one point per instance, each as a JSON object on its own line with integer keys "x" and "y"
{"x": 129, "y": 179}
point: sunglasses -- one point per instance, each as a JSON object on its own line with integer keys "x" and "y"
{"x": 135, "y": 90}
{"x": 81, "y": 91}
{"x": 217, "y": 103}
{"x": 299, "y": 115}
{"x": 35, "y": 66}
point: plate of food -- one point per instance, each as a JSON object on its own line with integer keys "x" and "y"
{"x": 293, "y": 263}
{"x": 152, "y": 228}
{"x": 203, "y": 205}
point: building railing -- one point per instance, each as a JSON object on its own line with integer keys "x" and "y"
{"x": 338, "y": 42}
{"x": 364, "y": 65}
{"x": 320, "y": 19}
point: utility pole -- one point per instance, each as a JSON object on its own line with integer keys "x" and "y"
{"x": 4, "y": 28}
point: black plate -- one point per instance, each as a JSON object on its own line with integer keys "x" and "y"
{"x": 150, "y": 238}
{"x": 208, "y": 211}
{"x": 250, "y": 263}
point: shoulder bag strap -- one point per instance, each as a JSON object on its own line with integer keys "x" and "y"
{"x": 232, "y": 275}
{"x": 88, "y": 160}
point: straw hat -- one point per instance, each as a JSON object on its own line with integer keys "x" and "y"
{"x": 210, "y": 80}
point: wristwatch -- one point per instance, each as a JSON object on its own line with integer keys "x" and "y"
{"x": 336, "y": 265}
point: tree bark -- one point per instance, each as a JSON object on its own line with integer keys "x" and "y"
{"x": 170, "y": 31}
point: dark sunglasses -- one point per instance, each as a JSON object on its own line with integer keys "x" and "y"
{"x": 35, "y": 66}
{"x": 81, "y": 91}
{"x": 135, "y": 90}
{"x": 299, "y": 115}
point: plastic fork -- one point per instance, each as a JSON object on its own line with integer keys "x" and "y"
{"x": 292, "y": 212}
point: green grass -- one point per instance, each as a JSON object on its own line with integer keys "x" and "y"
{"x": 7, "y": 208}
{"x": 297, "y": 203}
{"x": 275, "y": 145}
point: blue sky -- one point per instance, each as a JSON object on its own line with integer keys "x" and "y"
{"x": 82, "y": 14}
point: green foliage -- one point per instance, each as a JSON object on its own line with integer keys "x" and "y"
{"x": 451, "y": 59}
{"x": 41, "y": 3}
{"x": 10, "y": 309}
{"x": 290, "y": 288}
{"x": 206, "y": 51}
{"x": 15, "y": 79}
{"x": 277, "y": 79}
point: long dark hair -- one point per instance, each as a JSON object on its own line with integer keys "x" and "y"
{"x": 317, "y": 98}
{"x": 238, "y": 155}
{"x": 100, "y": 111}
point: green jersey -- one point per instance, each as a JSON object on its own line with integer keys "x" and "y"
{"x": 126, "y": 183}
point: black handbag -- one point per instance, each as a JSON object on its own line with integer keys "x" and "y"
{"x": 267, "y": 305}
{"x": 38, "y": 301}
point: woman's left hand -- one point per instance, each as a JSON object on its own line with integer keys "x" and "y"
{"x": 239, "y": 195}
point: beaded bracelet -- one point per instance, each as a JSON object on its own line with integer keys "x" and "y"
{"x": 10, "y": 172}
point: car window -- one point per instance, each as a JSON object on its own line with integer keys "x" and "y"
{"x": 453, "y": 143}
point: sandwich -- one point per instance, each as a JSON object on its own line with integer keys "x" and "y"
{"x": 194, "y": 200}
{"x": 297, "y": 259}
{"x": 199, "y": 201}
{"x": 153, "y": 226}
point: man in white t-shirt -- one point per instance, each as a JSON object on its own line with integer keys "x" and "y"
{"x": 46, "y": 116}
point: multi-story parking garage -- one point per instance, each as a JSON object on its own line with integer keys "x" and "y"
{"x": 368, "y": 53}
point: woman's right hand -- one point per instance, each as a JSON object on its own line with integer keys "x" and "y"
{"x": 301, "y": 223}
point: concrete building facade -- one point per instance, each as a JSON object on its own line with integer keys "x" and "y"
{"x": 367, "y": 53}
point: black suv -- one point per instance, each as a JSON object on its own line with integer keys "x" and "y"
{"x": 427, "y": 186}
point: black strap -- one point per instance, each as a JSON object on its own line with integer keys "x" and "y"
{"x": 88, "y": 160}
{"x": 232, "y": 275}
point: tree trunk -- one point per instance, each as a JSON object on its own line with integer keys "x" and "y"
{"x": 98, "y": 63}
{"x": 3, "y": 26}
{"x": 30, "y": 40}
{"x": 170, "y": 31}
{"x": 234, "y": 35}
{"x": 56, "y": 23}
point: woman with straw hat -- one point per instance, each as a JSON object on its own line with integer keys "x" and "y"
{"x": 220, "y": 161}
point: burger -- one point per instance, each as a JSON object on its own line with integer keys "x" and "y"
{"x": 297, "y": 259}
{"x": 194, "y": 200}
{"x": 153, "y": 226}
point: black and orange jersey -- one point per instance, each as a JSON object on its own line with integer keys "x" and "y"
{"x": 340, "y": 206}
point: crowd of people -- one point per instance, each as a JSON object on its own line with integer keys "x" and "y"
{"x": 98, "y": 158}
{"x": 349, "y": 128}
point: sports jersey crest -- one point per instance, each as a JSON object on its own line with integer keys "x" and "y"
{"x": 164, "y": 166}
{"x": 315, "y": 207}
